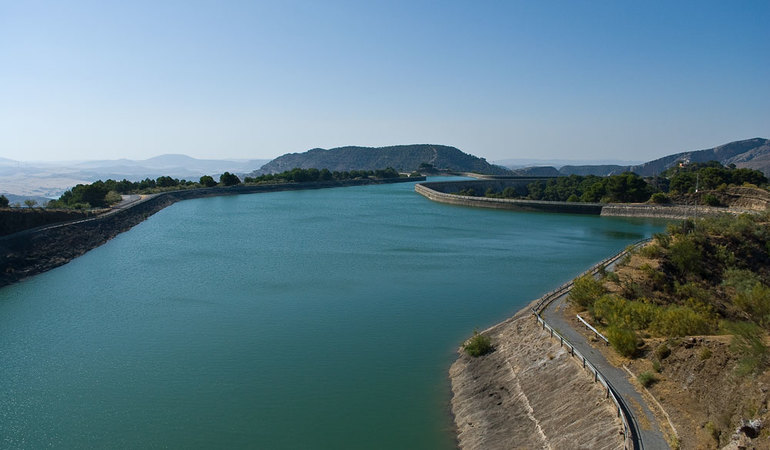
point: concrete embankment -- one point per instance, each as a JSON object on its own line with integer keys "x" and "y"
{"x": 34, "y": 251}
{"x": 530, "y": 393}
{"x": 427, "y": 190}
{"x": 445, "y": 192}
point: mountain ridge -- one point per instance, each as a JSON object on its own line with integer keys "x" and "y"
{"x": 404, "y": 158}
{"x": 751, "y": 153}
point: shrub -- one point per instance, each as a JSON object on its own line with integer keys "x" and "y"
{"x": 586, "y": 290}
{"x": 711, "y": 200}
{"x": 713, "y": 430}
{"x": 660, "y": 198}
{"x": 623, "y": 340}
{"x": 478, "y": 345}
{"x": 112, "y": 197}
{"x": 756, "y": 303}
{"x": 704, "y": 354}
{"x": 686, "y": 256}
{"x": 612, "y": 277}
{"x": 651, "y": 251}
{"x": 656, "y": 366}
{"x": 662, "y": 351}
{"x": 681, "y": 321}
{"x": 663, "y": 239}
{"x": 747, "y": 342}
{"x": 647, "y": 379}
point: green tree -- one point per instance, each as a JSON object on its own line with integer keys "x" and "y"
{"x": 208, "y": 181}
{"x": 3, "y": 201}
{"x": 229, "y": 179}
{"x": 166, "y": 181}
{"x": 586, "y": 290}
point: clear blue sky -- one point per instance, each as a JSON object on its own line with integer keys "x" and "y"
{"x": 499, "y": 79}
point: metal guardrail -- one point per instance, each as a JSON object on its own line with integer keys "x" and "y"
{"x": 549, "y": 297}
{"x": 590, "y": 327}
{"x": 598, "y": 377}
{"x": 546, "y": 299}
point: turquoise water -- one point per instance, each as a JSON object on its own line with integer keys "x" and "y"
{"x": 310, "y": 319}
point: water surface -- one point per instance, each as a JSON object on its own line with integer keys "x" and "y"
{"x": 310, "y": 319}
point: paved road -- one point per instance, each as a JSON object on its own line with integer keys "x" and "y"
{"x": 640, "y": 414}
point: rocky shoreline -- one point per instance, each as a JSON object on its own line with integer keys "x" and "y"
{"x": 31, "y": 252}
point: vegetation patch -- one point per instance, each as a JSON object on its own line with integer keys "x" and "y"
{"x": 478, "y": 345}
{"x": 647, "y": 379}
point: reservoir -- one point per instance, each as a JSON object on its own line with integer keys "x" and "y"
{"x": 288, "y": 320}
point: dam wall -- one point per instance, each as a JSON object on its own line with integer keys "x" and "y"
{"x": 429, "y": 191}
{"x": 445, "y": 192}
{"x": 33, "y": 251}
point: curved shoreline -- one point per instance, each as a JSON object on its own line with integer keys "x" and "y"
{"x": 34, "y": 251}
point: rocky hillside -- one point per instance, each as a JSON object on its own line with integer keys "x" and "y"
{"x": 750, "y": 154}
{"x": 404, "y": 158}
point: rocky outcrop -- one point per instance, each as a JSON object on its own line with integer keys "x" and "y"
{"x": 530, "y": 393}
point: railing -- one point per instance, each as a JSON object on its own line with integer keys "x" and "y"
{"x": 628, "y": 440}
{"x": 546, "y": 299}
{"x": 596, "y": 332}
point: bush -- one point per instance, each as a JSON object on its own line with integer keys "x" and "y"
{"x": 660, "y": 198}
{"x": 113, "y": 197}
{"x": 647, "y": 379}
{"x": 681, "y": 321}
{"x": 478, "y": 345}
{"x": 623, "y": 340}
{"x": 651, "y": 251}
{"x": 663, "y": 239}
{"x": 711, "y": 200}
{"x": 662, "y": 351}
{"x": 747, "y": 342}
{"x": 704, "y": 354}
{"x": 585, "y": 290}
{"x": 756, "y": 303}
{"x": 656, "y": 366}
{"x": 686, "y": 256}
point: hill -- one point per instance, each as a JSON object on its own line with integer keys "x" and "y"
{"x": 749, "y": 153}
{"x": 404, "y": 158}
{"x": 690, "y": 314}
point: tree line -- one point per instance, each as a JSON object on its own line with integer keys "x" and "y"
{"x": 100, "y": 194}
{"x": 629, "y": 187}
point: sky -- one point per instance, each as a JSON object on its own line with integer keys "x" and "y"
{"x": 579, "y": 80}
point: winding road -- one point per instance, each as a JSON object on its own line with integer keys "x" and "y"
{"x": 646, "y": 431}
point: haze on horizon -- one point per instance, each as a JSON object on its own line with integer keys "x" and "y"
{"x": 253, "y": 80}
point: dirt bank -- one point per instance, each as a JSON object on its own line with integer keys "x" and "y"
{"x": 529, "y": 393}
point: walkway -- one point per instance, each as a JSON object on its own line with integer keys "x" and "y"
{"x": 640, "y": 414}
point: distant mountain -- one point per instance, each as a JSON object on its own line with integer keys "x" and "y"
{"x": 404, "y": 158}
{"x": 601, "y": 170}
{"x": 749, "y": 153}
{"x": 519, "y": 163}
{"x": 51, "y": 179}
{"x": 537, "y": 171}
